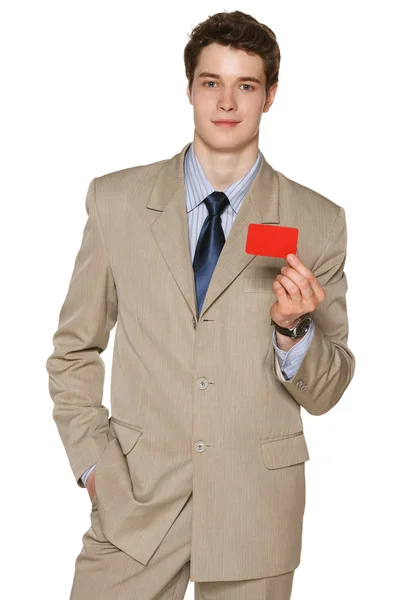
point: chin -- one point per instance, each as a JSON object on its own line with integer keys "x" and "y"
{"x": 216, "y": 141}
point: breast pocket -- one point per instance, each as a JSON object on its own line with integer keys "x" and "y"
{"x": 258, "y": 284}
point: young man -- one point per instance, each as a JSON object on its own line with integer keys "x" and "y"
{"x": 199, "y": 471}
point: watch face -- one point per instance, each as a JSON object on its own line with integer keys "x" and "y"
{"x": 303, "y": 327}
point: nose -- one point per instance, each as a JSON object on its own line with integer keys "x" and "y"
{"x": 227, "y": 101}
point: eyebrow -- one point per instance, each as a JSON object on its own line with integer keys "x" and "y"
{"x": 216, "y": 76}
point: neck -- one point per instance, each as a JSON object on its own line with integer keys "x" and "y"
{"x": 223, "y": 165}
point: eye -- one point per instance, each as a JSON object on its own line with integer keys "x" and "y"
{"x": 247, "y": 84}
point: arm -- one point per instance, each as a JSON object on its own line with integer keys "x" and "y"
{"x": 328, "y": 366}
{"x": 76, "y": 369}
{"x": 289, "y": 361}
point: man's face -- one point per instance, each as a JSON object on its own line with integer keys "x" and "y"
{"x": 224, "y": 96}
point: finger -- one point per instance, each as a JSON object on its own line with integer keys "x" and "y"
{"x": 303, "y": 285}
{"x": 305, "y": 272}
{"x": 281, "y": 295}
{"x": 288, "y": 261}
{"x": 290, "y": 286}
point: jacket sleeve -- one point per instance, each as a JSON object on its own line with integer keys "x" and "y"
{"x": 75, "y": 368}
{"x": 328, "y": 365}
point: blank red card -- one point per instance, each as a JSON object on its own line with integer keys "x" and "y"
{"x": 271, "y": 240}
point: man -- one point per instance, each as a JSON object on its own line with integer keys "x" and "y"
{"x": 199, "y": 471}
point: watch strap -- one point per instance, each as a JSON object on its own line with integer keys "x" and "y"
{"x": 289, "y": 332}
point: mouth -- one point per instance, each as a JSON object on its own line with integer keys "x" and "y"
{"x": 226, "y": 123}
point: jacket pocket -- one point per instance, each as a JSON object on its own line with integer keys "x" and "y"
{"x": 126, "y": 434}
{"x": 291, "y": 450}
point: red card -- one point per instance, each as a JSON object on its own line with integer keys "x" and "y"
{"x": 271, "y": 240}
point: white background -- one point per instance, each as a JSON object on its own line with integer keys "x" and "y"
{"x": 93, "y": 87}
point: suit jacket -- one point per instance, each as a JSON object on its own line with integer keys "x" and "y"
{"x": 197, "y": 405}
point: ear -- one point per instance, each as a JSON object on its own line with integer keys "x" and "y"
{"x": 270, "y": 97}
{"x": 188, "y": 94}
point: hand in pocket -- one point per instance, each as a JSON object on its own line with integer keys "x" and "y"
{"x": 90, "y": 485}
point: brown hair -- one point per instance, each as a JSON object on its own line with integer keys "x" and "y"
{"x": 240, "y": 31}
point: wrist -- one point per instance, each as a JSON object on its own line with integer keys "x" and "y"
{"x": 297, "y": 329}
{"x": 285, "y": 324}
{"x": 286, "y": 343}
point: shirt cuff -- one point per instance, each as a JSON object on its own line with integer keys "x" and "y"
{"x": 289, "y": 361}
{"x": 86, "y": 474}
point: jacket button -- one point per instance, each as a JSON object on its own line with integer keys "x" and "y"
{"x": 200, "y": 446}
{"x": 202, "y": 383}
{"x": 301, "y": 385}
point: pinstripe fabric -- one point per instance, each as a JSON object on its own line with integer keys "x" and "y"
{"x": 197, "y": 406}
{"x": 102, "y": 572}
{"x": 197, "y": 188}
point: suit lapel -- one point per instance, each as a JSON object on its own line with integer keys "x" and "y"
{"x": 170, "y": 228}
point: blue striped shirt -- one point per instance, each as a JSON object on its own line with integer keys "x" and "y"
{"x": 197, "y": 188}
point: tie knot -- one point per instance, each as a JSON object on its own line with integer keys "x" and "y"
{"x": 216, "y": 202}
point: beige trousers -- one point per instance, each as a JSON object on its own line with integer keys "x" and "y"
{"x": 104, "y": 572}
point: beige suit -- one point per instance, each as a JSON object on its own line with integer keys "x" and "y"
{"x": 196, "y": 405}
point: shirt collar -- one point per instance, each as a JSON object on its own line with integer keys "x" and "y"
{"x": 198, "y": 187}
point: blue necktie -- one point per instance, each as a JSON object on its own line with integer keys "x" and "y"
{"x": 209, "y": 245}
